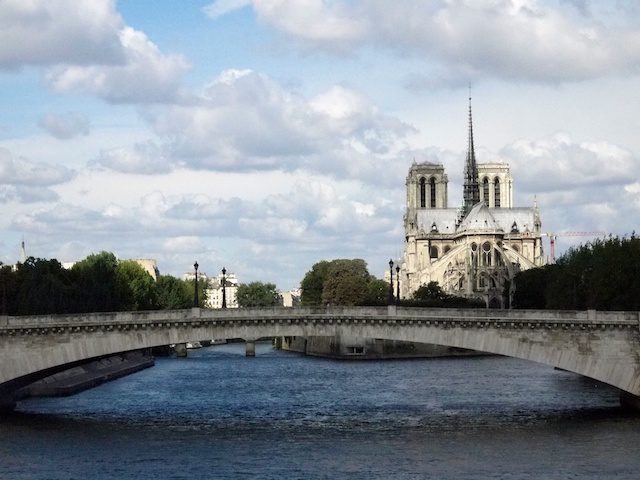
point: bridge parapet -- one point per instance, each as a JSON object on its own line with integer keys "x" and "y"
{"x": 601, "y": 345}
{"x": 465, "y": 318}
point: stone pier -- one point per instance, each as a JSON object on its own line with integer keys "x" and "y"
{"x": 250, "y": 350}
{"x": 181, "y": 350}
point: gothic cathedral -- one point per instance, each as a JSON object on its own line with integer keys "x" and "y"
{"x": 475, "y": 250}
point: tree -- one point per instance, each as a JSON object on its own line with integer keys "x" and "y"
{"x": 258, "y": 294}
{"x": 141, "y": 293}
{"x": 346, "y": 283}
{"x": 602, "y": 275}
{"x": 432, "y": 291}
{"x": 42, "y": 286}
{"x": 432, "y": 295}
{"x": 342, "y": 282}
{"x": 377, "y": 292}
{"x": 313, "y": 283}
{"x": 173, "y": 293}
{"x": 100, "y": 288}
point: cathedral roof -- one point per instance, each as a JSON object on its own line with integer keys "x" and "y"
{"x": 443, "y": 218}
{"x": 480, "y": 219}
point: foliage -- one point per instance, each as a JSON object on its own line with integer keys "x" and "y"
{"x": 96, "y": 284}
{"x": 346, "y": 283}
{"x": 38, "y": 286}
{"x": 313, "y": 283}
{"x": 141, "y": 293}
{"x": 173, "y": 293}
{"x": 189, "y": 286}
{"x": 432, "y": 295}
{"x": 342, "y": 282}
{"x": 602, "y": 275}
{"x": 377, "y": 292}
{"x": 99, "y": 287}
{"x": 258, "y": 294}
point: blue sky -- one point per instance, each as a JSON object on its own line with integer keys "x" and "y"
{"x": 265, "y": 135}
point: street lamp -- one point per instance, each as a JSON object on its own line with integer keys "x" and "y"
{"x": 397, "y": 285}
{"x": 224, "y": 288}
{"x": 195, "y": 289}
{"x": 390, "y": 282}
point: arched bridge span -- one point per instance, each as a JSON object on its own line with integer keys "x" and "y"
{"x": 600, "y": 345}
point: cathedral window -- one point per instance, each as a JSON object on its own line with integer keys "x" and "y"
{"x": 446, "y": 249}
{"x": 497, "y": 192}
{"x": 423, "y": 193}
{"x": 485, "y": 191}
{"x": 432, "y": 184}
{"x": 433, "y": 252}
{"x": 486, "y": 253}
{"x": 514, "y": 228}
{"x": 434, "y": 227}
{"x": 515, "y": 248}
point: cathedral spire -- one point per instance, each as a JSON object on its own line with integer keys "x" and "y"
{"x": 471, "y": 188}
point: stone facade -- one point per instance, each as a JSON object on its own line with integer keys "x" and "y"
{"x": 473, "y": 251}
{"x": 214, "y": 291}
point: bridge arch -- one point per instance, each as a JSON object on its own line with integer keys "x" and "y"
{"x": 600, "y": 345}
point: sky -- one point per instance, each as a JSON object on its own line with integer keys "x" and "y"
{"x": 266, "y": 135}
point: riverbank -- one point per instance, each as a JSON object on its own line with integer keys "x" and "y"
{"x": 78, "y": 379}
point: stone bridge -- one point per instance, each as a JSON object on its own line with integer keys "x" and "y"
{"x": 601, "y": 345}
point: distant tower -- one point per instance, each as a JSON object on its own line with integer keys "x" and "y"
{"x": 23, "y": 252}
{"x": 471, "y": 189}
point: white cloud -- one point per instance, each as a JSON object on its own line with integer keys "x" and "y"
{"x": 146, "y": 75}
{"x": 22, "y": 171}
{"x": 26, "y": 194}
{"x": 142, "y": 158}
{"x": 533, "y": 40}
{"x": 222, "y": 7}
{"x": 64, "y": 127}
{"x": 59, "y": 31}
{"x": 245, "y": 121}
{"x": 560, "y": 164}
{"x": 311, "y": 220}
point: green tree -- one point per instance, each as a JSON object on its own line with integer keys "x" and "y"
{"x": 342, "y": 282}
{"x": 140, "y": 293}
{"x": 602, "y": 275}
{"x": 100, "y": 288}
{"x": 313, "y": 283}
{"x": 346, "y": 283}
{"x": 202, "y": 287}
{"x": 42, "y": 286}
{"x": 258, "y": 294}
{"x": 432, "y": 291}
{"x": 173, "y": 293}
{"x": 377, "y": 292}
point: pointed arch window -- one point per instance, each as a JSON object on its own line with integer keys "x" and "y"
{"x": 432, "y": 184}
{"x": 485, "y": 191}
{"x": 423, "y": 193}
{"x": 496, "y": 190}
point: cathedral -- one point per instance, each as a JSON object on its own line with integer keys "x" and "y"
{"x": 473, "y": 251}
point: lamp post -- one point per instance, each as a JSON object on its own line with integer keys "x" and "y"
{"x": 195, "y": 287}
{"x": 397, "y": 285}
{"x": 390, "y": 282}
{"x": 224, "y": 288}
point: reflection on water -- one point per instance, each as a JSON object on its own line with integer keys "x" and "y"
{"x": 218, "y": 414}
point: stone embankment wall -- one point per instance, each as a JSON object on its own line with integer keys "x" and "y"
{"x": 358, "y": 348}
{"x": 84, "y": 377}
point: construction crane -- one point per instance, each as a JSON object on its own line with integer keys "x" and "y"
{"x": 554, "y": 236}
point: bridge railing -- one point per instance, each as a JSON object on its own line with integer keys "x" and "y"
{"x": 382, "y": 314}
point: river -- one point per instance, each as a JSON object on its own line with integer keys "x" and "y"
{"x": 280, "y": 415}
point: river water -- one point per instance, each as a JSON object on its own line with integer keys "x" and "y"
{"x": 218, "y": 414}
